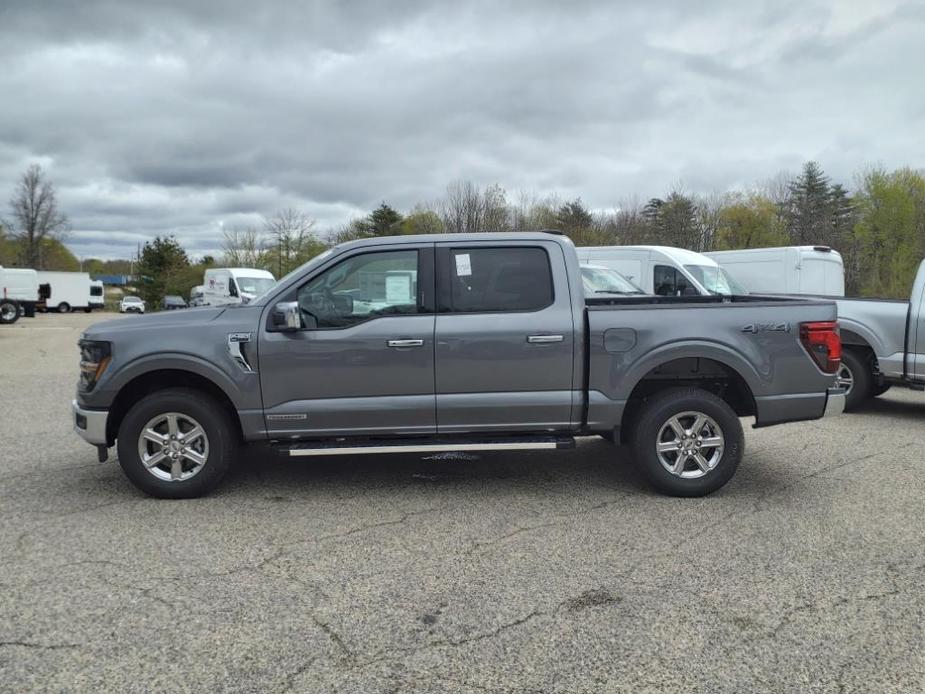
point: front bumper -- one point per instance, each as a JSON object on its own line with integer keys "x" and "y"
{"x": 90, "y": 425}
{"x": 834, "y": 402}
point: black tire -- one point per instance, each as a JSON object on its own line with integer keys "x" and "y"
{"x": 9, "y": 311}
{"x": 877, "y": 391}
{"x": 64, "y": 307}
{"x": 858, "y": 367}
{"x": 656, "y": 413}
{"x": 87, "y": 309}
{"x": 220, "y": 430}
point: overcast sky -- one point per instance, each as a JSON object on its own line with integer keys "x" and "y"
{"x": 196, "y": 114}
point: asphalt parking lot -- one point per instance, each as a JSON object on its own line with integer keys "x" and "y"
{"x": 535, "y": 572}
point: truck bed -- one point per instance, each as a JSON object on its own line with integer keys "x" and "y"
{"x": 752, "y": 340}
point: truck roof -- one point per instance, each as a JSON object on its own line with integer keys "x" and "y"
{"x": 456, "y": 238}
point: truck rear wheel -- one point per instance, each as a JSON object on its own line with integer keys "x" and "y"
{"x": 9, "y": 311}
{"x": 687, "y": 442}
{"x": 64, "y": 307}
{"x": 855, "y": 377}
{"x": 177, "y": 443}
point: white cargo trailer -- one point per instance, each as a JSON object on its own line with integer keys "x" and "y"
{"x": 816, "y": 270}
{"x": 65, "y": 291}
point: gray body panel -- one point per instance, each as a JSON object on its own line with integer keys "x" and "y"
{"x": 472, "y": 372}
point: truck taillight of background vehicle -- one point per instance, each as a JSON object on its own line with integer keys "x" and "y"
{"x": 822, "y": 341}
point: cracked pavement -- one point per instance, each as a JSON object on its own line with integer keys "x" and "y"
{"x": 532, "y": 572}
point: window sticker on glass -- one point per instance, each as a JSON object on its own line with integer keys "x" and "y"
{"x": 463, "y": 265}
{"x": 398, "y": 289}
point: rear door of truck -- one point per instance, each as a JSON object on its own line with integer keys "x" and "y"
{"x": 505, "y": 338}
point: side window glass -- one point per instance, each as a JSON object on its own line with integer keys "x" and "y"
{"x": 499, "y": 279}
{"x": 665, "y": 279}
{"x": 232, "y": 287}
{"x": 360, "y": 288}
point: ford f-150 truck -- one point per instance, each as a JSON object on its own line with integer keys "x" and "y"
{"x": 884, "y": 344}
{"x": 452, "y": 342}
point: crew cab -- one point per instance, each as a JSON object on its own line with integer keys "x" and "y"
{"x": 884, "y": 344}
{"x": 452, "y": 342}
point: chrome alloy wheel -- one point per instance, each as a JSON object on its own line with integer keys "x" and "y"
{"x": 844, "y": 378}
{"x": 690, "y": 445}
{"x": 8, "y": 311}
{"x": 173, "y": 446}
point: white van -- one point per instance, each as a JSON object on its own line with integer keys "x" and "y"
{"x": 64, "y": 291}
{"x": 663, "y": 270}
{"x": 97, "y": 295}
{"x": 234, "y": 285}
{"x": 788, "y": 270}
{"x": 21, "y": 285}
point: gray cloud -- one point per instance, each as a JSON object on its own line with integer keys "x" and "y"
{"x": 185, "y": 117}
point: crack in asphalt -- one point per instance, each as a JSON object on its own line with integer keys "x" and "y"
{"x": 560, "y": 518}
{"x": 40, "y": 646}
{"x": 788, "y": 617}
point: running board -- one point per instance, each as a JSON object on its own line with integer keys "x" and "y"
{"x": 429, "y": 446}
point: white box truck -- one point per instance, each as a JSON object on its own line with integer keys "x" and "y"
{"x": 816, "y": 270}
{"x": 234, "y": 285}
{"x": 65, "y": 291}
{"x": 22, "y": 286}
{"x": 663, "y": 270}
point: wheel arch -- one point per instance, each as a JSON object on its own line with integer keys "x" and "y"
{"x": 152, "y": 381}
{"x": 710, "y": 373}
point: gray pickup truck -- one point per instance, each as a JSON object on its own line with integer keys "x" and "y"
{"x": 452, "y": 342}
{"x": 884, "y": 344}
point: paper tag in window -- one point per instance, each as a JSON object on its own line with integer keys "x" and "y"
{"x": 463, "y": 265}
{"x": 398, "y": 289}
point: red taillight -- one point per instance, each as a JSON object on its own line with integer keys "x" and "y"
{"x": 823, "y": 343}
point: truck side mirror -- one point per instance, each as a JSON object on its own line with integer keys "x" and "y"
{"x": 287, "y": 317}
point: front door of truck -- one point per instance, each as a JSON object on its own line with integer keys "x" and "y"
{"x": 504, "y": 338}
{"x": 363, "y": 363}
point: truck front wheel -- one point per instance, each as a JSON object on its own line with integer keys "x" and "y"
{"x": 177, "y": 443}
{"x": 9, "y": 311}
{"x": 854, "y": 375}
{"x": 687, "y": 442}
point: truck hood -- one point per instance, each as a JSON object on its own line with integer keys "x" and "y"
{"x": 152, "y": 321}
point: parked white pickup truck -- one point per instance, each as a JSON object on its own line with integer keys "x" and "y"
{"x": 883, "y": 344}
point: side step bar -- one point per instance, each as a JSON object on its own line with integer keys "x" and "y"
{"x": 522, "y": 443}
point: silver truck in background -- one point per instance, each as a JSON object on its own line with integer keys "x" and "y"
{"x": 883, "y": 344}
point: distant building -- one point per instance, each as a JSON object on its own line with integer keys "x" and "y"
{"x": 115, "y": 280}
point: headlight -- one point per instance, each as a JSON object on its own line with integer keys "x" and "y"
{"x": 94, "y": 358}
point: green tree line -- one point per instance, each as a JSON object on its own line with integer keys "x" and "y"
{"x": 878, "y": 225}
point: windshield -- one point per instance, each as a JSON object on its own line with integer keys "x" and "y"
{"x": 604, "y": 281}
{"x": 254, "y": 285}
{"x": 715, "y": 279}
{"x": 317, "y": 260}
{"x": 132, "y": 300}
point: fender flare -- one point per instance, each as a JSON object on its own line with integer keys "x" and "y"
{"x": 177, "y": 361}
{"x": 703, "y": 349}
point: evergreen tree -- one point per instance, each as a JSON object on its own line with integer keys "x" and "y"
{"x": 808, "y": 214}
{"x": 383, "y": 221}
{"x": 159, "y": 263}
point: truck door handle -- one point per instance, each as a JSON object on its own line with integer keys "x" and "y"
{"x": 544, "y": 339}
{"x": 406, "y": 343}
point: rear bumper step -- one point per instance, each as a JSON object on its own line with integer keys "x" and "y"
{"x": 523, "y": 443}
